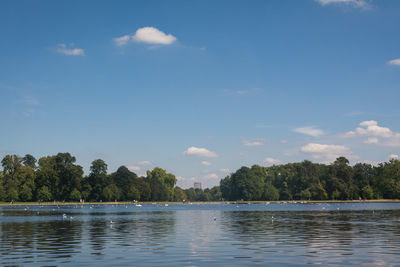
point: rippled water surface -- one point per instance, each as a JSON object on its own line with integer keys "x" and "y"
{"x": 201, "y": 235}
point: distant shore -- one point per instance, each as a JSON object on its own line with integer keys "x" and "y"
{"x": 195, "y": 202}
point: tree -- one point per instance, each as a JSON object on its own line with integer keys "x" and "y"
{"x": 270, "y": 192}
{"x": 44, "y": 194}
{"x": 179, "y": 194}
{"x": 133, "y": 193}
{"x": 70, "y": 175}
{"x": 225, "y": 186}
{"x": 75, "y": 195}
{"x": 247, "y": 184}
{"x": 124, "y": 179}
{"x": 96, "y": 181}
{"x": 29, "y": 161}
{"x": 161, "y": 184}
{"x": 111, "y": 193}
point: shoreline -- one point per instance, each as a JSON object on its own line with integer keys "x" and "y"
{"x": 55, "y": 203}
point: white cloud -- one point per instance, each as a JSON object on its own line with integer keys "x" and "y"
{"x": 271, "y": 161}
{"x": 395, "y": 62}
{"x": 123, "y": 40}
{"x": 393, "y": 156}
{"x": 145, "y": 162}
{"x": 201, "y": 152}
{"x": 372, "y": 130}
{"x": 185, "y": 182}
{"x": 210, "y": 176}
{"x": 148, "y": 35}
{"x": 152, "y": 35}
{"x": 371, "y": 140}
{"x": 252, "y": 143}
{"x": 133, "y": 168}
{"x": 224, "y": 170}
{"x": 206, "y": 163}
{"x": 352, "y": 3}
{"x": 62, "y": 49}
{"x": 327, "y": 153}
{"x": 283, "y": 141}
{"x": 309, "y": 130}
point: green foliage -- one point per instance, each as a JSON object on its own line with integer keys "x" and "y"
{"x": 44, "y": 194}
{"x": 367, "y": 192}
{"x": 248, "y": 184}
{"x": 25, "y": 193}
{"x": 133, "y": 193}
{"x": 270, "y": 192}
{"x": 179, "y": 194}
{"x": 75, "y": 195}
{"x": 29, "y": 161}
{"x": 111, "y": 193}
{"x": 59, "y": 178}
{"x": 161, "y": 184}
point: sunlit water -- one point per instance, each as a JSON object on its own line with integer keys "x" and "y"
{"x": 201, "y": 235}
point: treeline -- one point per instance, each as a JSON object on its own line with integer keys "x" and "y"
{"x": 59, "y": 178}
{"x": 312, "y": 181}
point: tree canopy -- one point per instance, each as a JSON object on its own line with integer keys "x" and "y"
{"x": 59, "y": 178}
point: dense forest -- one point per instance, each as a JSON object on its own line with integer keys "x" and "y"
{"x": 59, "y": 178}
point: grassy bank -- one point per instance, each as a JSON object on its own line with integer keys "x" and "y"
{"x": 196, "y": 202}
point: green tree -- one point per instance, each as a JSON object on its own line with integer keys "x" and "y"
{"x": 270, "y": 192}
{"x": 44, "y": 194}
{"x": 111, "y": 193}
{"x": 124, "y": 179}
{"x": 75, "y": 195}
{"x": 29, "y": 161}
{"x": 133, "y": 193}
{"x": 161, "y": 184}
{"x": 247, "y": 184}
{"x": 179, "y": 194}
{"x": 97, "y": 180}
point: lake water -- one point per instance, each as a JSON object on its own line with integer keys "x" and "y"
{"x": 201, "y": 235}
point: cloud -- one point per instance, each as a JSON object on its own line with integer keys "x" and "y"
{"x": 369, "y": 123}
{"x": 62, "y": 49}
{"x": 352, "y": 3}
{"x": 145, "y": 162}
{"x": 210, "y": 176}
{"x": 371, "y": 140}
{"x": 186, "y": 182}
{"x": 249, "y": 91}
{"x": 148, "y": 35}
{"x": 252, "y": 143}
{"x": 133, "y": 167}
{"x": 201, "y": 152}
{"x": 327, "y": 153}
{"x": 393, "y": 156}
{"x": 224, "y": 170}
{"x": 309, "y": 130}
{"x": 283, "y": 141}
{"x": 395, "y": 62}
{"x": 372, "y": 130}
{"x": 206, "y": 163}
{"x": 271, "y": 161}
{"x": 123, "y": 40}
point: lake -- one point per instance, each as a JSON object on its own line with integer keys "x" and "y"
{"x": 285, "y": 234}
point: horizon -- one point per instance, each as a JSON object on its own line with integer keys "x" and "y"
{"x": 201, "y": 88}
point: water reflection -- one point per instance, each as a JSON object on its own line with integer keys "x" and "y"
{"x": 198, "y": 235}
{"x": 314, "y": 237}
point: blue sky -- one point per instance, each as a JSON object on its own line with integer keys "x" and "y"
{"x": 200, "y": 88}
